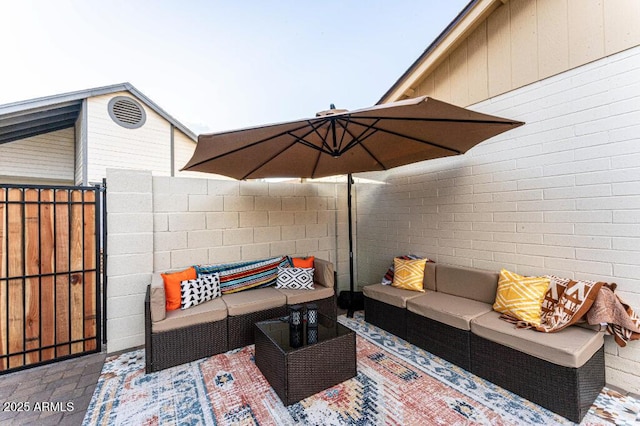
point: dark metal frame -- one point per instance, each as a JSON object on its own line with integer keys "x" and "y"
{"x": 98, "y": 270}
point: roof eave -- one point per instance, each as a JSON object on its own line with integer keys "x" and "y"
{"x": 474, "y": 13}
{"x": 46, "y": 101}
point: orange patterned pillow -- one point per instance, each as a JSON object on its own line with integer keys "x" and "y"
{"x": 303, "y": 262}
{"x": 172, "y": 282}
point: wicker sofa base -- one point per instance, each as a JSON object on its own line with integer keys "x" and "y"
{"x": 181, "y": 345}
{"x": 387, "y": 317}
{"x": 563, "y": 390}
{"x": 240, "y": 327}
{"x": 449, "y": 343}
{"x": 186, "y": 344}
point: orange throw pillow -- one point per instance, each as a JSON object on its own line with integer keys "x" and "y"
{"x": 303, "y": 262}
{"x": 172, "y": 282}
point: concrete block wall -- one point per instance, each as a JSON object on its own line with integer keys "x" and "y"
{"x": 200, "y": 221}
{"x": 159, "y": 223}
{"x": 129, "y": 255}
{"x": 560, "y": 195}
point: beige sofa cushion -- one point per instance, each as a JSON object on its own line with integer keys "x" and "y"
{"x": 451, "y": 310}
{"x": 248, "y": 301}
{"x": 306, "y": 296}
{"x": 571, "y": 347}
{"x": 390, "y": 295}
{"x": 323, "y": 273}
{"x": 470, "y": 283}
{"x": 157, "y": 298}
{"x": 429, "y": 282}
{"x": 212, "y": 310}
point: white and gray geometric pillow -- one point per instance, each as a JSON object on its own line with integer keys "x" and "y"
{"x": 203, "y": 288}
{"x": 295, "y": 278}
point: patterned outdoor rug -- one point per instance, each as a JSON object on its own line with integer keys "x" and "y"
{"x": 396, "y": 384}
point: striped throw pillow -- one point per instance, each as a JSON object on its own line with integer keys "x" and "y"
{"x": 254, "y": 275}
{"x": 521, "y": 297}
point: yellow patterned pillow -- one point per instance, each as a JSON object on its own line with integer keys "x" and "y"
{"x": 409, "y": 274}
{"x": 520, "y": 296}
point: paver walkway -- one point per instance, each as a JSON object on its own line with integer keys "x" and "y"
{"x": 54, "y": 394}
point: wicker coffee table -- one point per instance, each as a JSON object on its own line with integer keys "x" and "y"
{"x": 297, "y": 373}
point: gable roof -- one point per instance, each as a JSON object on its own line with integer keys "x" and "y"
{"x": 474, "y": 13}
{"x": 23, "y": 119}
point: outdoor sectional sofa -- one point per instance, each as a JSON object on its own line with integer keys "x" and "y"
{"x": 223, "y": 323}
{"x": 454, "y": 319}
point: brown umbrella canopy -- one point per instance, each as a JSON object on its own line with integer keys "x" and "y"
{"x": 341, "y": 142}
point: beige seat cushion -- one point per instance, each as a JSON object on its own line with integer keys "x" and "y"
{"x": 305, "y": 296}
{"x": 571, "y": 347}
{"x": 390, "y": 295}
{"x": 209, "y": 311}
{"x": 470, "y": 283}
{"x": 248, "y": 301}
{"x": 451, "y": 310}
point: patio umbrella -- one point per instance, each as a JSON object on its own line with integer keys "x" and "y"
{"x": 338, "y": 142}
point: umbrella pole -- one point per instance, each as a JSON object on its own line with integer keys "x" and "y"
{"x": 349, "y": 183}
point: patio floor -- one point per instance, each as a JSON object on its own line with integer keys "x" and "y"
{"x": 70, "y": 383}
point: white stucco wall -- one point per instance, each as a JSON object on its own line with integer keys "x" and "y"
{"x": 158, "y": 223}
{"x": 559, "y": 195}
{"x": 113, "y": 146}
{"x": 46, "y": 158}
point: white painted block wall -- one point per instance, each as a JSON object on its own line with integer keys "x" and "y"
{"x": 158, "y": 223}
{"x": 559, "y": 195}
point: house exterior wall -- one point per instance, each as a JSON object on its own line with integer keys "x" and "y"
{"x": 160, "y": 223}
{"x": 81, "y": 146}
{"x": 524, "y": 41}
{"x": 47, "y": 158}
{"x": 559, "y": 195}
{"x": 113, "y": 146}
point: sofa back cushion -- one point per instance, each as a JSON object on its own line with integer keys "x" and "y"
{"x": 323, "y": 274}
{"x": 429, "y": 282}
{"x": 472, "y": 283}
{"x": 157, "y": 298}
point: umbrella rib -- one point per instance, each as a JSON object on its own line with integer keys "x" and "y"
{"x": 434, "y": 144}
{"x": 299, "y": 139}
{"x": 344, "y": 126}
{"x": 258, "y": 142}
{"x": 268, "y": 160}
{"x": 322, "y": 138}
{"x": 355, "y": 140}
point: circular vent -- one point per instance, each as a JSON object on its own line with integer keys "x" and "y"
{"x": 127, "y": 112}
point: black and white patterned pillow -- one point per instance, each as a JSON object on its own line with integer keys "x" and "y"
{"x": 203, "y": 288}
{"x": 295, "y": 278}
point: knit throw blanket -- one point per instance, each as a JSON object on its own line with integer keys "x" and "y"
{"x": 568, "y": 302}
{"x": 622, "y": 322}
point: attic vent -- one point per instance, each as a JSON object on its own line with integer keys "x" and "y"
{"x": 127, "y": 112}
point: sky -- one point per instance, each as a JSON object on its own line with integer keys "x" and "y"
{"x": 219, "y": 65}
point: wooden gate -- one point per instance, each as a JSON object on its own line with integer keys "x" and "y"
{"x": 50, "y": 274}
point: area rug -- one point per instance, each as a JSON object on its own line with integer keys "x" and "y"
{"x": 396, "y": 384}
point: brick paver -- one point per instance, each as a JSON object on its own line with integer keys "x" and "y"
{"x": 54, "y": 394}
